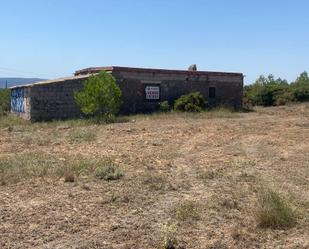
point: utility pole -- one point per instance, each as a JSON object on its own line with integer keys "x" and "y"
{"x": 6, "y": 84}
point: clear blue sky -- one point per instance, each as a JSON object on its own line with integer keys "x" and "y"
{"x": 54, "y": 38}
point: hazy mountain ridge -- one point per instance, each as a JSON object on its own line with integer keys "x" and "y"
{"x": 14, "y": 81}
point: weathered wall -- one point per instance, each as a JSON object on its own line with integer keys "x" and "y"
{"x": 229, "y": 89}
{"x": 55, "y": 100}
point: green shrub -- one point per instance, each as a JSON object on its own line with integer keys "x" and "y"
{"x": 192, "y": 102}
{"x": 101, "y": 96}
{"x": 284, "y": 98}
{"x": 265, "y": 91}
{"x": 5, "y": 101}
{"x": 274, "y": 211}
{"x": 164, "y": 106}
{"x": 108, "y": 172}
{"x": 270, "y": 91}
{"x": 301, "y": 93}
{"x": 300, "y": 88}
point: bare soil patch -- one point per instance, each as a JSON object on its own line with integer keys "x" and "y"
{"x": 191, "y": 179}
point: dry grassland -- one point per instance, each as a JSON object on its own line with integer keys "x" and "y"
{"x": 210, "y": 180}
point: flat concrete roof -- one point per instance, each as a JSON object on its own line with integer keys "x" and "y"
{"x": 151, "y": 70}
{"x": 84, "y": 73}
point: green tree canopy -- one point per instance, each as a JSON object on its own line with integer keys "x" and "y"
{"x": 269, "y": 91}
{"x": 303, "y": 78}
{"x": 101, "y": 96}
{"x": 300, "y": 87}
{"x": 266, "y": 90}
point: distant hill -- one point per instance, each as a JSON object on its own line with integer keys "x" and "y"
{"x": 17, "y": 81}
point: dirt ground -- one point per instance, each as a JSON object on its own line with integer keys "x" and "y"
{"x": 192, "y": 178}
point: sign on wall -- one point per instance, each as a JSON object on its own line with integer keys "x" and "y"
{"x": 152, "y": 92}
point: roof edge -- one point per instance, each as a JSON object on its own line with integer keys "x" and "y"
{"x": 51, "y": 81}
{"x": 90, "y": 70}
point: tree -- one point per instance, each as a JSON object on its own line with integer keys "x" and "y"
{"x": 267, "y": 91}
{"x": 101, "y": 96}
{"x": 303, "y": 78}
{"x": 300, "y": 88}
{"x": 5, "y": 101}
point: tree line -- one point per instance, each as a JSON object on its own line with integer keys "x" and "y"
{"x": 269, "y": 91}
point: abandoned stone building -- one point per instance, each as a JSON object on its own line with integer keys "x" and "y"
{"x": 142, "y": 90}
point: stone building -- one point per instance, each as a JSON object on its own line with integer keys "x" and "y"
{"x": 142, "y": 90}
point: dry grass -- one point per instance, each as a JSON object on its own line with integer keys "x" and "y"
{"x": 9, "y": 121}
{"x": 274, "y": 211}
{"x": 82, "y": 135}
{"x": 25, "y": 167}
{"x": 216, "y": 113}
{"x": 243, "y": 163}
{"x": 156, "y": 182}
{"x": 168, "y": 236}
{"x": 188, "y": 211}
{"x": 200, "y": 174}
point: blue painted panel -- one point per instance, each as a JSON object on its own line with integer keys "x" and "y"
{"x": 17, "y": 100}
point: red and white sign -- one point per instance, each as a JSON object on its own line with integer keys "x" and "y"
{"x": 152, "y": 92}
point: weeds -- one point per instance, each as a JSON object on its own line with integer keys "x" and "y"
{"x": 274, "y": 211}
{"x": 207, "y": 175}
{"x": 219, "y": 112}
{"x": 11, "y": 120}
{"x": 168, "y": 236}
{"x": 247, "y": 176}
{"x": 188, "y": 211}
{"x": 82, "y": 135}
{"x": 229, "y": 203}
{"x": 31, "y": 138}
{"x": 69, "y": 176}
{"x": 164, "y": 106}
{"x": 155, "y": 182}
{"x": 27, "y": 166}
{"x": 109, "y": 120}
{"x": 108, "y": 172}
{"x": 243, "y": 162}
{"x": 18, "y": 168}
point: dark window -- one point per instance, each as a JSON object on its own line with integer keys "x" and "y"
{"x": 212, "y": 92}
